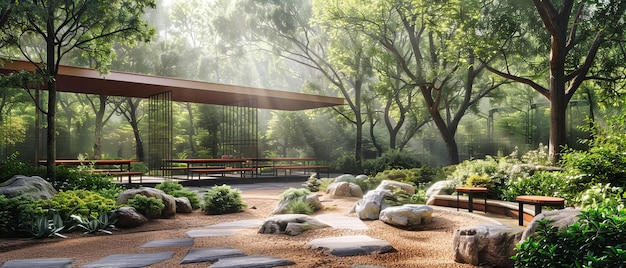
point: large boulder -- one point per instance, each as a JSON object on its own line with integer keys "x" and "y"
{"x": 391, "y": 185}
{"x": 35, "y": 187}
{"x": 560, "y": 218}
{"x": 439, "y": 188}
{"x": 346, "y": 189}
{"x": 489, "y": 245}
{"x": 128, "y": 217}
{"x": 170, "y": 204}
{"x": 374, "y": 201}
{"x": 183, "y": 205}
{"x": 291, "y": 224}
{"x": 345, "y": 178}
{"x": 311, "y": 199}
{"x": 407, "y": 216}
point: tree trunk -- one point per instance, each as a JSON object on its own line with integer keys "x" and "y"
{"x": 99, "y": 125}
{"x": 446, "y": 133}
{"x": 52, "y": 98}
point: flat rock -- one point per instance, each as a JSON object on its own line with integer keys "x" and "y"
{"x": 178, "y": 242}
{"x": 39, "y": 263}
{"x": 211, "y": 232}
{"x": 251, "y": 262}
{"x": 131, "y": 260}
{"x": 343, "y": 246}
{"x": 211, "y": 254}
{"x": 342, "y": 222}
{"x": 242, "y": 224}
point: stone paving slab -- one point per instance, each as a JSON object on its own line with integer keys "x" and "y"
{"x": 251, "y": 262}
{"x": 131, "y": 260}
{"x": 211, "y": 232}
{"x": 342, "y": 222}
{"x": 39, "y": 263}
{"x": 178, "y": 242}
{"x": 343, "y": 246}
{"x": 211, "y": 254}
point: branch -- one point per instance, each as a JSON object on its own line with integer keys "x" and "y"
{"x": 542, "y": 90}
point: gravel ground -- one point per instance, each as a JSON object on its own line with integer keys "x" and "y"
{"x": 430, "y": 246}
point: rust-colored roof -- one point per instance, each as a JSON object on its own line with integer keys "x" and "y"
{"x": 89, "y": 81}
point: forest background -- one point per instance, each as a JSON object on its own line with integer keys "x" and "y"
{"x": 435, "y": 80}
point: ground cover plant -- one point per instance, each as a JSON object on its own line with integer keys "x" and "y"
{"x": 148, "y": 206}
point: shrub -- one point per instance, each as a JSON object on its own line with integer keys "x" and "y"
{"x": 602, "y": 194}
{"x": 541, "y": 183}
{"x": 149, "y": 206}
{"x": 415, "y": 176}
{"x": 419, "y": 197}
{"x": 80, "y": 202}
{"x": 79, "y": 178}
{"x": 169, "y": 186}
{"x": 595, "y": 240}
{"x": 174, "y": 188}
{"x": 604, "y": 162}
{"x": 347, "y": 164}
{"x": 299, "y": 207}
{"x": 17, "y": 212}
{"x": 294, "y": 193}
{"x": 222, "y": 200}
{"x": 393, "y": 159}
{"x": 11, "y": 167}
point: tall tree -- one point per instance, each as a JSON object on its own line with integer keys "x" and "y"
{"x": 423, "y": 36}
{"x": 61, "y": 26}
{"x": 586, "y": 43}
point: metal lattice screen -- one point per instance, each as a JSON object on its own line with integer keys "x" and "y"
{"x": 240, "y": 130}
{"x": 160, "y": 133}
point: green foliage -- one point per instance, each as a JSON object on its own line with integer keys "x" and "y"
{"x": 139, "y": 166}
{"x": 602, "y": 195}
{"x": 222, "y": 200}
{"x": 415, "y": 176}
{"x": 16, "y": 212}
{"x": 394, "y": 159}
{"x": 294, "y": 193}
{"x": 419, "y": 197}
{"x": 347, "y": 163}
{"x": 312, "y": 184}
{"x": 80, "y": 202}
{"x": 299, "y": 207}
{"x": 399, "y": 197}
{"x": 595, "y": 240}
{"x": 11, "y": 167}
{"x": 541, "y": 183}
{"x": 604, "y": 162}
{"x": 93, "y": 224}
{"x": 169, "y": 186}
{"x": 49, "y": 225}
{"x": 148, "y": 206}
{"x": 174, "y": 188}
{"x": 79, "y": 178}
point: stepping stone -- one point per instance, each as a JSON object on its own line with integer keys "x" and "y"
{"x": 39, "y": 263}
{"x": 342, "y": 222}
{"x": 131, "y": 260}
{"x": 242, "y": 224}
{"x": 211, "y": 232}
{"x": 343, "y": 246}
{"x": 211, "y": 254}
{"x": 251, "y": 261}
{"x": 178, "y": 242}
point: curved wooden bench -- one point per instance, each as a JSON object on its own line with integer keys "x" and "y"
{"x": 539, "y": 202}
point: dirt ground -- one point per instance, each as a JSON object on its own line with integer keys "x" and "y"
{"x": 430, "y": 246}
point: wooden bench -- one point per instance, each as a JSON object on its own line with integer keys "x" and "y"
{"x": 223, "y": 171}
{"x": 304, "y": 168}
{"x": 538, "y": 201}
{"x": 470, "y": 193}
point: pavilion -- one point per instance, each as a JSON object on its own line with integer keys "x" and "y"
{"x": 240, "y": 103}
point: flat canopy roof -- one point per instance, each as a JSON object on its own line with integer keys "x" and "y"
{"x": 90, "y": 81}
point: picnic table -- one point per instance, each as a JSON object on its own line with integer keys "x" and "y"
{"x": 112, "y": 167}
{"x": 213, "y": 166}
